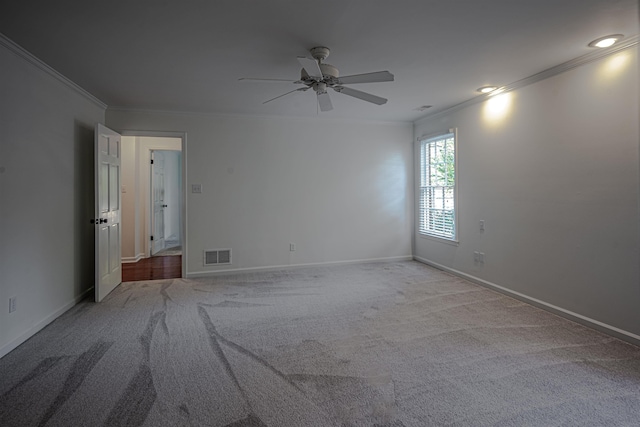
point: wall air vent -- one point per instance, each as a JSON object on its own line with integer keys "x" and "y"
{"x": 217, "y": 256}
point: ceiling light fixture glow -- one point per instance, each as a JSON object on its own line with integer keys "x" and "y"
{"x": 487, "y": 89}
{"x": 606, "y": 41}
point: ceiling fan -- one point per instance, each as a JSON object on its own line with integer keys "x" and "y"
{"x": 319, "y": 76}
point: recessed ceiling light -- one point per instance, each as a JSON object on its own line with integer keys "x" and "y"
{"x": 487, "y": 89}
{"x": 606, "y": 41}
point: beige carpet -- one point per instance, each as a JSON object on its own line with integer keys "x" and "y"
{"x": 386, "y": 344}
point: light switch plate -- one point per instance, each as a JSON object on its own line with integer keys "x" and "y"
{"x": 196, "y": 188}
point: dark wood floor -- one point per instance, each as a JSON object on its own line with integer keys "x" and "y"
{"x": 157, "y": 267}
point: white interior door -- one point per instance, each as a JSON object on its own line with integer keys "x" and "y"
{"x": 158, "y": 201}
{"x": 107, "y": 218}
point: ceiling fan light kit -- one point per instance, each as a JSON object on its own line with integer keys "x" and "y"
{"x": 317, "y": 75}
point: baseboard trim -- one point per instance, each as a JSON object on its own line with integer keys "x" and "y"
{"x": 7, "y": 348}
{"x": 567, "y": 314}
{"x": 131, "y": 260}
{"x": 196, "y": 274}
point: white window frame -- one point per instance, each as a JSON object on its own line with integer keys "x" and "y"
{"x": 439, "y": 230}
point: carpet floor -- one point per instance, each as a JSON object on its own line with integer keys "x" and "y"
{"x": 382, "y": 344}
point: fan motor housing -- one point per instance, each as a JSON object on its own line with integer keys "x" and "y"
{"x": 328, "y": 71}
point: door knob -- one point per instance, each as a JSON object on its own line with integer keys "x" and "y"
{"x": 165, "y": 206}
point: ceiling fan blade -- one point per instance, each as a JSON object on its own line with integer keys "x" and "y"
{"x": 324, "y": 101}
{"x": 311, "y": 67}
{"x": 360, "y": 95}
{"x": 251, "y": 79}
{"x": 379, "y": 76}
{"x": 291, "y": 91}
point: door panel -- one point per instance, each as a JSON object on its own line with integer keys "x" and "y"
{"x": 104, "y": 189}
{"x": 107, "y": 218}
{"x": 103, "y": 240}
{"x": 114, "y": 186}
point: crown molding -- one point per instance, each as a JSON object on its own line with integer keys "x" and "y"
{"x": 33, "y": 60}
{"x": 121, "y": 109}
{"x": 550, "y": 72}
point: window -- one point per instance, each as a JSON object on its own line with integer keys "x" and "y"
{"x": 437, "y": 205}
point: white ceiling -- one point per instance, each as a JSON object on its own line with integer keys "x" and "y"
{"x": 188, "y": 55}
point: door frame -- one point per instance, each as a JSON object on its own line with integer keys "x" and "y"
{"x": 183, "y": 196}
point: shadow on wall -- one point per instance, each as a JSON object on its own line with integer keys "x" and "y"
{"x": 83, "y": 209}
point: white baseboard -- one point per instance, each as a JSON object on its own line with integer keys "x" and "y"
{"x": 130, "y": 259}
{"x": 567, "y": 314}
{"x": 294, "y": 266}
{"x": 5, "y": 349}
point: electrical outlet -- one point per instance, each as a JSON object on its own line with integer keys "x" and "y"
{"x": 481, "y": 258}
{"x": 292, "y": 247}
{"x": 482, "y": 225}
{"x": 476, "y": 257}
{"x": 12, "y": 304}
{"x": 196, "y": 188}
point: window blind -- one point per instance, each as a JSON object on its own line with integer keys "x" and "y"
{"x": 437, "y": 187}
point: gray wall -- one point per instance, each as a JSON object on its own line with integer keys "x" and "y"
{"x": 340, "y": 190}
{"x": 555, "y": 178}
{"x": 46, "y": 195}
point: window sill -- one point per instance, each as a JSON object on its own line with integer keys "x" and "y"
{"x": 439, "y": 239}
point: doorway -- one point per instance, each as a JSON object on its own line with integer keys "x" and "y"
{"x": 153, "y": 205}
